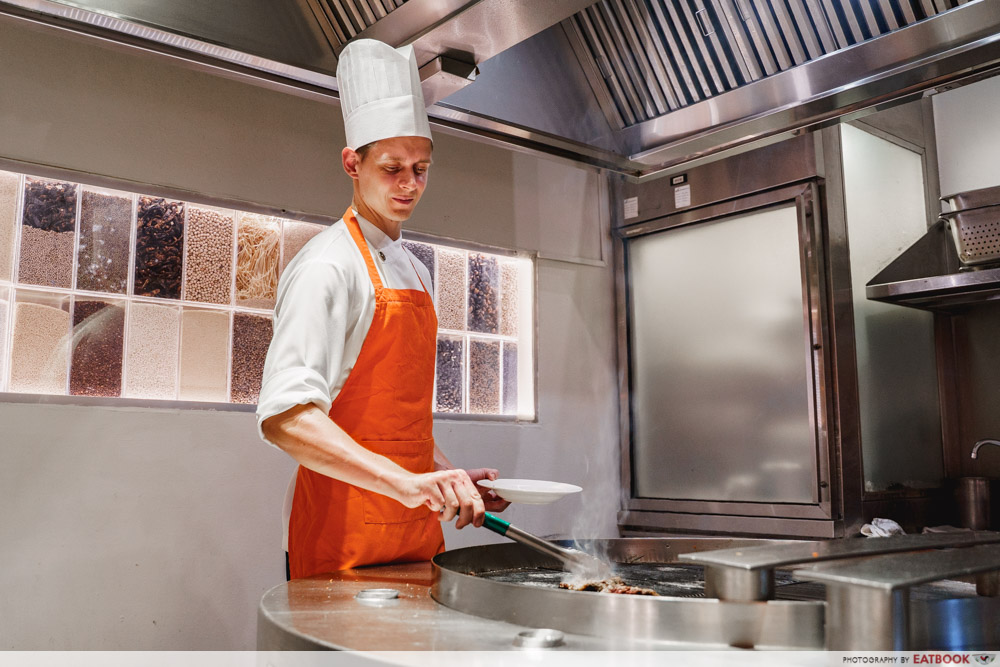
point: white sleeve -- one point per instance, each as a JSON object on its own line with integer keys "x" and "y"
{"x": 312, "y": 316}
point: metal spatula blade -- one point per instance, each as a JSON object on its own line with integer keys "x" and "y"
{"x": 578, "y": 563}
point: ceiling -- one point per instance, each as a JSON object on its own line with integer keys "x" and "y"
{"x": 635, "y": 86}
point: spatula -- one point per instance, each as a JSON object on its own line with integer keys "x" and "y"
{"x": 578, "y": 563}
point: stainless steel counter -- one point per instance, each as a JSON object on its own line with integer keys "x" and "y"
{"x": 322, "y": 613}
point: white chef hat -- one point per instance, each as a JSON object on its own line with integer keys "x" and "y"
{"x": 380, "y": 93}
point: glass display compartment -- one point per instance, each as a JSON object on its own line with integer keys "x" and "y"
{"x": 425, "y": 254}
{"x": 484, "y": 377}
{"x": 39, "y": 343}
{"x": 102, "y": 254}
{"x": 97, "y": 347}
{"x": 159, "y": 246}
{"x": 450, "y": 374}
{"x": 451, "y": 289}
{"x": 208, "y": 255}
{"x": 257, "y": 258}
{"x": 48, "y": 233}
{"x": 4, "y": 319}
{"x": 10, "y": 194}
{"x": 151, "y": 360}
{"x": 509, "y": 286}
{"x": 251, "y": 338}
{"x": 484, "y": 293}
{"x": 509, "y": 378}
{"x": 204, "y": 365}
{"x": 294, "y": 236}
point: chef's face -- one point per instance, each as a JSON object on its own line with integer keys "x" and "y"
{"x": 391, "y": 176}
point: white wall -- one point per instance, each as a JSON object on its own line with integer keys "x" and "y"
{"x": 159, "y": 529}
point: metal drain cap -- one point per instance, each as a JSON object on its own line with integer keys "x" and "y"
{"x": 377, "y": 594}
{"x": 539, "y": 638}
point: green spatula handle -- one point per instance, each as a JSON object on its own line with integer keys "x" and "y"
{"x": 495, "y": 524}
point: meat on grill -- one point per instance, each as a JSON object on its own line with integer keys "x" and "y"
{"x": 613, "y": 585}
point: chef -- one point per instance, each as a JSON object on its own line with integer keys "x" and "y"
{"x": 349, "y": 375}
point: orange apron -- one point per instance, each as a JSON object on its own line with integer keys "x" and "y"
{"x": 385, "y": 405}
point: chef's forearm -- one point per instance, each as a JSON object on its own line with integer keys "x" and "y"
{"x": 318, "y": 443}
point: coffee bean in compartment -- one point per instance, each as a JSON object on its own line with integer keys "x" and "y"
{"x": 40, "y": 344}
{"x": 451, "y": 289}
{"x": 105, "y": 235}
{"x": 48, "y": 227}
{"x": 208, "y": 255}
{"x": 151, "y": 356}
{"x": 294, "y": 236}
{"x": 97, "y": 348}
{"x": 450, "y": 373}
{"x": 10, "y": 190}
{"x": 484, "y": 293}
{"x": 251, "y": 338}
{"x": 259, "y": 243}
{"x": 159, "y": 247}
{"x": 204, "y": 374}
{"x": 484, "y": 376}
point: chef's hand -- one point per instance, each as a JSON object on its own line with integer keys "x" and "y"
{"x": 491, "y": 500}
{"x": 450, "y": 492}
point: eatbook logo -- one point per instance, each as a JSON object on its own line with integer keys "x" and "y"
{"x": 985, "y": 658}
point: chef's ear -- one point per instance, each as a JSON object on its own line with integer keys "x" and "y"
{"x": 352, "y": 161}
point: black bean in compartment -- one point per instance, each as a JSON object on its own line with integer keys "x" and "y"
{"x": 450, "y": 358}
{"x": 47, "y": 233}
{"x": 510, "y": 378}
{"x": 251, "y": 338}
{"x": 105, "y": 229}
{"x": 159, "y": 246}
{"x": 98, "y": 338}
{"x": 484, "y": 302}
{"x": 484, "y": 377}
{"x": 425, "y": 254}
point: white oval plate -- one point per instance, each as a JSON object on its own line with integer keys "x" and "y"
{"x": 529, "y": 491}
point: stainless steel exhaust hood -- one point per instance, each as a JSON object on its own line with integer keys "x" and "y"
{"x": 635, "y": 86}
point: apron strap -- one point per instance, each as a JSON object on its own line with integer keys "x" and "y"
{"x": 359, "y": 240}
{"x": 355, "y": 227}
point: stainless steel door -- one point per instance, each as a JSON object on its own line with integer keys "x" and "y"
{"x": 728, "y": 398}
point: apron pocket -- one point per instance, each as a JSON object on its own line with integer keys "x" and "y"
{"x": 414, "y": 456}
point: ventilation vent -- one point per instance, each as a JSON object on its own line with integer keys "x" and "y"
{"x": 343, "y": 20}
{"x": 649, "y": 57}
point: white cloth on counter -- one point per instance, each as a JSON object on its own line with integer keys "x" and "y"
{"x": 324, "y": 308}
{"x": 882, "y": 528}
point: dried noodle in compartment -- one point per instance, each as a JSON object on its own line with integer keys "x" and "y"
{"x": 258, "y": 242}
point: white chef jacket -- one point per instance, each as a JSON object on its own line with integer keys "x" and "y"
{"x": 324, "y": 308}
